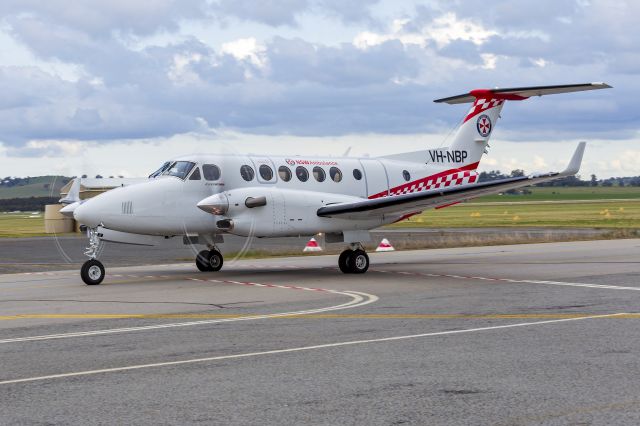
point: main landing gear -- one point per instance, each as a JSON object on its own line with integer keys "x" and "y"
{"x": 209, "y": 260}
{"x": 354, "y": 260}
{"x": 92, "y": 271}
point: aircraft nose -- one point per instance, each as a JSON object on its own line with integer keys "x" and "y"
{"x": 87, "y": 214}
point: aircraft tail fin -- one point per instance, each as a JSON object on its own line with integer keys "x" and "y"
{"x": 472, "y": 138}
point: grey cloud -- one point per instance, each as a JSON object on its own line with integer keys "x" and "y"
{"x": 103, "y": 18}
{"x": 310, "y": 89}
{"x": 297, "y": 60}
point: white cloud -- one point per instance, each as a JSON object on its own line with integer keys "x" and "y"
{"x": 246, "y": 49}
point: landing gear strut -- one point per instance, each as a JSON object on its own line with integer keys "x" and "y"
{"x": 209, "y": 260}
{"x": 92, "y": 271}
{"x": 354, "y": 260}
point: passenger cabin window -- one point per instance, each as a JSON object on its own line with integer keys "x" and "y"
{"x": 336, "y": 174}
{"x": 162, "y": 168}
{"x": 357, "y": 174}
{"x": 247, "y": 173}
{"x": 406, "y": 175}
{"x": 302, "y": 174}
{"x": 179, "y": 169}
{"x": 211, "y": 172}
{"x": 266, "y": 172}
{"x": 319, "y": 174}
{"x": 195, "y": 175}
{"x": 285, "y": 173}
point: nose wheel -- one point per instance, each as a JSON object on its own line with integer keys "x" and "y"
{"x": 353, "y": 261}
{"x": 92, "y": 272}
{"x": 209, "y": 260}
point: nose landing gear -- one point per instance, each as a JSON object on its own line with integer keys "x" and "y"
{"x": 92, "y": 271}
{"x": 354, "y": 260}
{"x": 209, "y": 260}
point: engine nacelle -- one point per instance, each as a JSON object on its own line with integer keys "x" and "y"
{"x": 264, "y": 211}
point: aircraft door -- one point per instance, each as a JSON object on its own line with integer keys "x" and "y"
{"x": 265, "y": 171}
{"x": 375, "y": 176}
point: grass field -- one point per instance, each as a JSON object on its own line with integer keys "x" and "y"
{"x": 41, "y": 186}
{"x": 602, "y": 214}
{"x": 21, "y": 225}
{"x": 610, "y": 208}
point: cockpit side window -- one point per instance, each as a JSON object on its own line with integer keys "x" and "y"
{"x": 179, "y": 169}
{"x": 196, "y": 174}
{"x": 162, "y": 168}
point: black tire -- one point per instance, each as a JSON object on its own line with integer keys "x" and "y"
{"x": 358, "y": 262}
{"x": 343, "y": 261}
{"x": 215, "y": 260}
{"x": 92, "y": 272}
{"x": 202, "y": 261}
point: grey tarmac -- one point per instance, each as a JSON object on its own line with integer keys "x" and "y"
{"x": 511, "y": 335}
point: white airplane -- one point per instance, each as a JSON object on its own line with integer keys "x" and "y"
{"x": 203, "y": 197}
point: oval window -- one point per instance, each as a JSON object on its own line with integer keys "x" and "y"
{"x": 265, "y": 172}
{"x": 336, "y": 174}
{"x": 247, "y": 173}
{"x": 319, "y": 174}
{"x": 357, "y": 174}
{"x": 285, "y": 173}
{"x": 211, "y": 171}
{"x": 302, "y": 174}
{"x": 406, "y": 175}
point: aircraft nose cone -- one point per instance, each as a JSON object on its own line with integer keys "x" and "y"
{"x": 87, "y": 215}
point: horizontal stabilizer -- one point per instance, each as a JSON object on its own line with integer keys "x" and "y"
{"x": 520, "y": 93}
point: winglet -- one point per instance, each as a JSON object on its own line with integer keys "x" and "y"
{"x": 576, "y": 160}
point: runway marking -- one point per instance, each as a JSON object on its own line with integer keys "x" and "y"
{"x": 510, "y": 280}
{"x": 296, "y": 349}
{"x": 358, "y": 299}
{"x": 311, "y": 316}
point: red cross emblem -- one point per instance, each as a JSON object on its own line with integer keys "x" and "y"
{"x": 484, "y": 125}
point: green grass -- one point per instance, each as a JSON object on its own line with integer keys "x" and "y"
{"x": 567, "y": 194}
{"x": 606, "y": 214}
{"x": 37, "y": 187}
{"x": 21, "y": 225}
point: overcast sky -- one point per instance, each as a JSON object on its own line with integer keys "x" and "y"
{"x": 116, "y": 87}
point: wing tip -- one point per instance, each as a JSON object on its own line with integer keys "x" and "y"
{"x": 576, "y": 160}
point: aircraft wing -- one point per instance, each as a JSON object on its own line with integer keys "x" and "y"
{"x": 419, "y": 201}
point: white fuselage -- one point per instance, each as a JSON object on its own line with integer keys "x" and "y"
{"x": 168, "y": 205}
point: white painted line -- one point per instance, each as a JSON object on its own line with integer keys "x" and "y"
{"x": 515, "y": 281}
{"x": 357, "y": 299}
{"x": 298, "y": 349}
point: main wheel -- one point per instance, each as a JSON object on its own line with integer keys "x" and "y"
{"x": 92, "y": 272}
{"x": 215, "y": 260}
{"x": 202, "y": 261}
{"x": 343, "y": 261}
{"x": 358, "y": 262}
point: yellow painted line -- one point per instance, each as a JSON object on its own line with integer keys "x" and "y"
{"x": 310, "y": 316}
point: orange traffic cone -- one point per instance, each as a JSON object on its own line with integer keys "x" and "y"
{"x": 385, "y": 245}
{"x": 312, "y": 245}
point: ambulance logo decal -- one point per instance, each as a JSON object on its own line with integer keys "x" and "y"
{"x": 484, "y": 125}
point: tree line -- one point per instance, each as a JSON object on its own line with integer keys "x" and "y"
{"x": 567, "y": 181}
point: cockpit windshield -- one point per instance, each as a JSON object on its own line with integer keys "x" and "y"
{"x": 179, "y": 169}
{"x": 162, "y": 168}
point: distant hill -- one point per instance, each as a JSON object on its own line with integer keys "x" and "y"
{"x": 40, "y": 186}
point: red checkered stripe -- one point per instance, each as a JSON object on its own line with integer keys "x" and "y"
{"x": 452, "y": 177}
{"x": 481, "y": 105}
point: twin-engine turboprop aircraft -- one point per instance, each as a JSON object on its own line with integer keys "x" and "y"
{"x": 204, "y": 196}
